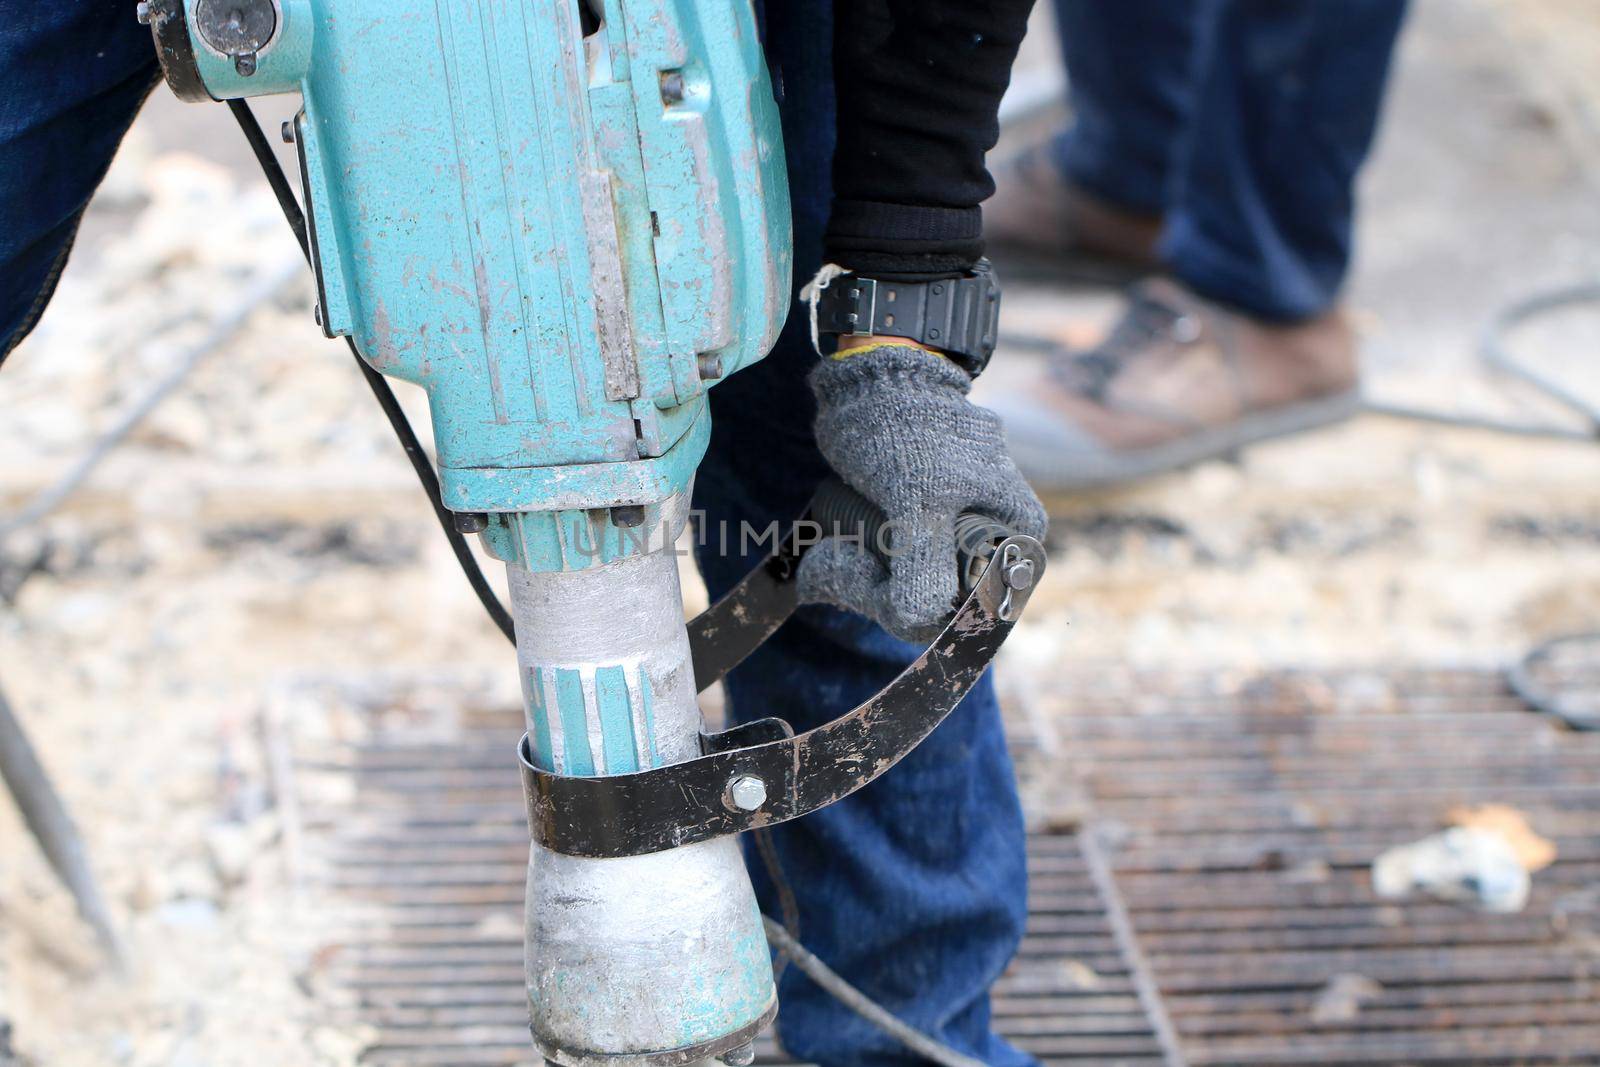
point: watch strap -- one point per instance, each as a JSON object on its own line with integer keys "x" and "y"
{"x": 959, "y": 316}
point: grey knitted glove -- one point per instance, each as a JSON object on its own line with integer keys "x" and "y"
{"x": 896, "y": 425}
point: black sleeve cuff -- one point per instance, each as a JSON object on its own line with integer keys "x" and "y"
{"x": 903, "y": 239}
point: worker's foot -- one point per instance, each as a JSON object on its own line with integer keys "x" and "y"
{"x": 1038, "y": 212}
{"x": 1178, "y": 380}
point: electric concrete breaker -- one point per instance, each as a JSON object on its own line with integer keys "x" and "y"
{"x": 566, "y": 220}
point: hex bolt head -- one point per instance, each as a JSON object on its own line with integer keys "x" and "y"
{"x": 142, "y": 12}
{"x": 471, "y": 522}
{"x": 743, "y": 1056}
{"x": 746, "y": 793}
{"x": 286, "y": 131}
{"x": 245, "y": 65}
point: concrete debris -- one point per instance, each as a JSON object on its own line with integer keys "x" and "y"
{"x": 1486, "y": 858}
{"x": 230, "y": 847}
{"x": 1342, "y": 999}
{"x": 1469, "y": 865}
{"x": 188, "y": 915}
{"x": 1080, "y": 975}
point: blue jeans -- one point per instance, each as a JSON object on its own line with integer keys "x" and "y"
{"x": 915, "y": 888}
{"x": 1244, "y": 122}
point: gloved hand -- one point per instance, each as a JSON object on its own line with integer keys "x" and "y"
{"x": 895, "y": 423}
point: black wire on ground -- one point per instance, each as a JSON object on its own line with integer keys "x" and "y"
{"x": 1496, "y": 356}
{"x": 1523, "y": 677}
{"x": 375, "y": 381}
{"x": 1492, "y": 346}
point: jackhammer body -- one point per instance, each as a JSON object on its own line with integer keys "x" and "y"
{"x": 566, "y": 220}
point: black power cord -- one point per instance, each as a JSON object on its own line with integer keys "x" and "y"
{"x": 375, "y": 381}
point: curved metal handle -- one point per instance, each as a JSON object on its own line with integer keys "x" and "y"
{"x": 757, "y": 775}
{"x": 721, "y": 636}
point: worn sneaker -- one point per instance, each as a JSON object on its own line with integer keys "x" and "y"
{"x": 1037, "y": 213}
{"x": 1178, "y": 380}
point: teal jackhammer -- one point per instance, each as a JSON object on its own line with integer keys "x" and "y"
{"x": 566, "y": 220}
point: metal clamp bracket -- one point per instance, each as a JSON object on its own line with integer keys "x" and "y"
{"x": 761, "y": 773}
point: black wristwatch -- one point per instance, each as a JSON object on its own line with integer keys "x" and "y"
{"x": 959, "y": 316}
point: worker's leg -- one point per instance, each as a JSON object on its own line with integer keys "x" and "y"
{"x": 1099, "y": 187}
{"x": 75, "y": 73}
{"x": 1246, "y": 342}
{"x": 1243, "y": 122}
{"x": 1264, "y": 201}
{"x": 1133, "y": 67}
{"x": 915, "y": 888}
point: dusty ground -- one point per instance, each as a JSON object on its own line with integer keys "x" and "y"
{"x": 259, "y": 543}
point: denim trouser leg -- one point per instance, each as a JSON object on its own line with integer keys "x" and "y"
{"x": 1245, "y": 121}
{"x": 1133, "y": 65}
{"x": 74, "y": 74}
{"x": 1265, "y": 195}
{"x": 915, "y": 888}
